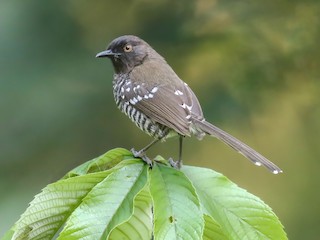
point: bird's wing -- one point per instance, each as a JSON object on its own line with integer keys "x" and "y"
{"x": 164, "y": 98}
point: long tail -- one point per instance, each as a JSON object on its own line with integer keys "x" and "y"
{"x": 237, "y": 145}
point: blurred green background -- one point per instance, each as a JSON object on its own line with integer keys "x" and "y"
{"x": 253, "y": 64}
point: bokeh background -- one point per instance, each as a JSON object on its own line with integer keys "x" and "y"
{"x": 253, "y": 64}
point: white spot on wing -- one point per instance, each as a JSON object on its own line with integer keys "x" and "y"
{"x": 178, "y": 93}
{"x": 128, "y": 89}
{"x": 132, "y": 102}
{"x": 145, "y": 96}
{"x": 122, "y": 89}
{"x": 257, "y": 163}
{"x": 155, "y": 89}
{"x": 150, "y": 95}
{"x": 185, "y": 106}
{"x": 139, "y": 98}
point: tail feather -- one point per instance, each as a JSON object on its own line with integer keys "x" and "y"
{"x": 237, "y": 145}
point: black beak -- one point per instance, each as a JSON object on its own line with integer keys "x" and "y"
{"x": 106, "y": 53}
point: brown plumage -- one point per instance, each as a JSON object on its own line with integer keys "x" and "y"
{"x": 151, "y": 94}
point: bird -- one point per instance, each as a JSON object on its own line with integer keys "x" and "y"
{"x": 152, "y": 95}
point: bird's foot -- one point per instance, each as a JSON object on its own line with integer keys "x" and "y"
{"x": 175, "y": 164}
{"x": 141, "y": 154}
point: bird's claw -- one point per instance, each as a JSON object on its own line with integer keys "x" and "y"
{"x": 175, "y": 164}
{"x": 141, "y": 154}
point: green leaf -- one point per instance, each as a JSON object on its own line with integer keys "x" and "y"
{"x": 240, "y": 214}
{"x": 51, "y": 208}
{"x": 9, "y": 234}
{"x": 140, "y": 224}
{"x": 107, "y": 205}
{"x": 177, "y": 213}
{"x": 114, "y": 197}
{"x": 212, "y": 230}
{"x": 101, "y": 163}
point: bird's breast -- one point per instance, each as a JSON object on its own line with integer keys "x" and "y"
{"x": 122, "y": 85}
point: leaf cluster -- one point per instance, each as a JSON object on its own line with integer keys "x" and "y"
{"x": 117, "y": 196}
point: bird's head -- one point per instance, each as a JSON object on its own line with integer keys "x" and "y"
{"x": 126, "y": 52}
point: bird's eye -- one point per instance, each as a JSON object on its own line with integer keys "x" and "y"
{"x": 127, "y": 48}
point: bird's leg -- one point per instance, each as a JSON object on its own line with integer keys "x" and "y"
{"x": 177, "y": 164}
{"x": 180, "y": 148}
{"x": 142, "y": 153}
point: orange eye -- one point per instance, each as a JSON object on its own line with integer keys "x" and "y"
{"x": 127, "y": 48}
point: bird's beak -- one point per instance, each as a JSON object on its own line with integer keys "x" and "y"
{"x": 106, "y": 53}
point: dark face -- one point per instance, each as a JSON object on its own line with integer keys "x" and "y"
{"x": 126, "y": 52}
